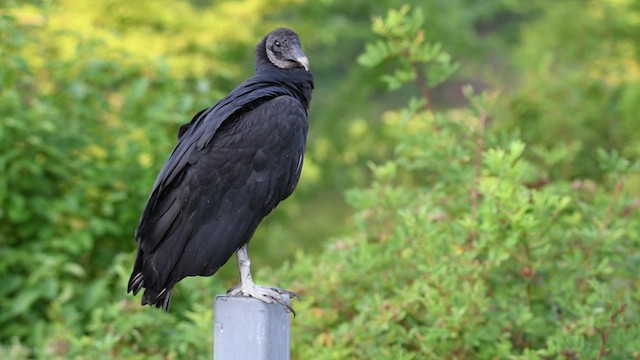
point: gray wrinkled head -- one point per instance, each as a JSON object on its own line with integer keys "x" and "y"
{"x": 283, "y": 50}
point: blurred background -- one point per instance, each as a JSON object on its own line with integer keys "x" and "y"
{"x": 93, "y": 92}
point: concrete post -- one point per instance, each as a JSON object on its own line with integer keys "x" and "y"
{"x": 248, "y": 329}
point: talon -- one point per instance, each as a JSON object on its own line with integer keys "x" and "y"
{"x": 266, "y": 294}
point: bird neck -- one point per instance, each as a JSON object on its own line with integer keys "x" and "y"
{"x": 298, "y": 81}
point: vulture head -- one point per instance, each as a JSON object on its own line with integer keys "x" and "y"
{"x": 282, "y": 49}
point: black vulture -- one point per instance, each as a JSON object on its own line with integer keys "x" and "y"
{"x": 233, "y": 163}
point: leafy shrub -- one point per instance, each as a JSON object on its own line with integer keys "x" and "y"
{"x": 462, "y": 251}
{"x": 579, "y": 88}
{"x": 79, "y": 140}
{"x": 464, "y": 246}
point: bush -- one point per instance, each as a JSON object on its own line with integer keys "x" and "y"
{"x": 465, "y": 250}
{"x": 79, "y": 140}
{"x": 578, "y": 89}
{"x": 464, "y": 246}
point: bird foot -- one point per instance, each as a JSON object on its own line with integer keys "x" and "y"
{"x": 266, "y": 294}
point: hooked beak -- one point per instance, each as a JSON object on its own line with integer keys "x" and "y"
{"x": 300, "y": 58}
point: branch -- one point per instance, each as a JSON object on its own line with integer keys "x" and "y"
{"x": 604, "y": 335}
{"x": 477, "y": 169}
{"x": 422, "y": 86}
{"x": 614, "y": 198}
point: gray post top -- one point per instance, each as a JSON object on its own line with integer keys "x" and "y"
{"x": 246, "y": 328}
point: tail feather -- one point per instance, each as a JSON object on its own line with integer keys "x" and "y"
{"x": 159, "y": 300}
{"x": 136, "y": 283}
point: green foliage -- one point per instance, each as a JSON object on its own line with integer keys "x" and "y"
{"x": 461, "y": 252}
{"x": 124, "y": 330}
{"x": 469, "y": 242}
{"x": 578, "y": 88}
{"x": 74, "y": 176}
{"x": 404, "y": 41}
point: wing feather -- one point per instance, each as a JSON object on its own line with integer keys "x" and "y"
{"x": 195, "y": 221}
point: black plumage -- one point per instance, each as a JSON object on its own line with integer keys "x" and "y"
{"x": 233, "y": 163}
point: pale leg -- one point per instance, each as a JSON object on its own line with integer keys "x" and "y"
{"x": 265, "y": 294}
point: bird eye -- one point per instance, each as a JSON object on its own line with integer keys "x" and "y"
{"x": 277, "y": 44}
